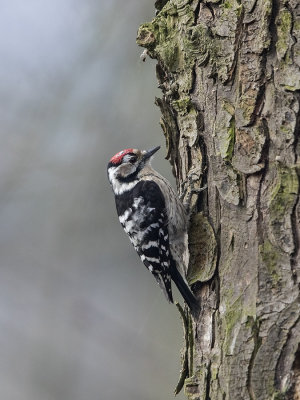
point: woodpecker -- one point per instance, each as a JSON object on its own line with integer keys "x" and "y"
{"x": 154, "y": 218}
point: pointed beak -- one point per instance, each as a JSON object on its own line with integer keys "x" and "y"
{"x": 149, "y": 153}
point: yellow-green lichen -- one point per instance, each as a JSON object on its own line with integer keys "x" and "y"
{"x": 292, "y": 88}
{"x": 228, "y": 107}
{"x": 285, "y": 129}
{"x": 284, "y": 25}
{"x": 174, "y": 40}
{"x": 197, "y": 43}
{"x": 214, "y": 372}
{"x": 182, "y": 105}
{"x": 171, "y": 55}
{"x": 167, "y": 42}
{"x": 296, "y": 24}
{"x": 225, "y": 130}
{"x": 232, "y": 6}
{"x": 278, "y": 395}
{"x": 227, "y": 4}
{"x": 282, "y": 197}
{"x": 146, "y": 36}
{"x": 232, "y": 321}
{"x": 284, "y": 193}
{"x": 177, "y": 43}
{"x": 270, "y": 256}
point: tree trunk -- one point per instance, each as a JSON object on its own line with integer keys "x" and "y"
{"x": 230, "y": 77}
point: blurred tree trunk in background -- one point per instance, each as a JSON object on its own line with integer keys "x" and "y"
{"x": 230, "y": 77}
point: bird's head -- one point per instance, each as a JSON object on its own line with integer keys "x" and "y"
{"x": 125, "y": 166}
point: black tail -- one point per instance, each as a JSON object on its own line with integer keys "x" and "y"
{"x": 184, "y": 289}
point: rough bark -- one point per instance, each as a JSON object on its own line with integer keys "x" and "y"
{"x": 230, "y": 77}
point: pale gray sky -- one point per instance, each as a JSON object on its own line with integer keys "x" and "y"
{"x": 80, "y": 317}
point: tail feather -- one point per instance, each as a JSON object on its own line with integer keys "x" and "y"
{"x": 184, "y": 289}
{"x": 164, "y": 282}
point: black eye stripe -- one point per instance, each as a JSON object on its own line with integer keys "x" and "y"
{"x": 133, "y": 159}
{"x": 130, "y": 157}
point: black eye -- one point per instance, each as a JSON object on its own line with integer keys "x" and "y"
{"x": 133, "y": 159}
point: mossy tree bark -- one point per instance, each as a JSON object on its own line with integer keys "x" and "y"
{"x": 230, "y": 77}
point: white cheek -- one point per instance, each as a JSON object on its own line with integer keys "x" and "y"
{"x": 111, "y": 175}
{"x": 121, "y": 187}
{"x": 117, "y": 186}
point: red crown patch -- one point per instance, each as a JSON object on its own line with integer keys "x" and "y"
{"x": 116, "y": 159}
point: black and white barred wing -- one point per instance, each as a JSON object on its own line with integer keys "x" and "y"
{"x": 144, "y": 220}
{"x": 154, "y": 253}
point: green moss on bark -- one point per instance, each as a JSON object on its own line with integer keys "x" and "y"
{"x": 284, "y": 25}
{"x": 283, "y": 197}
{"x": 270, "y": 256}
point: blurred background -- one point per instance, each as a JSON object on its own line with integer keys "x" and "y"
{"x": 80, "y": 317}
